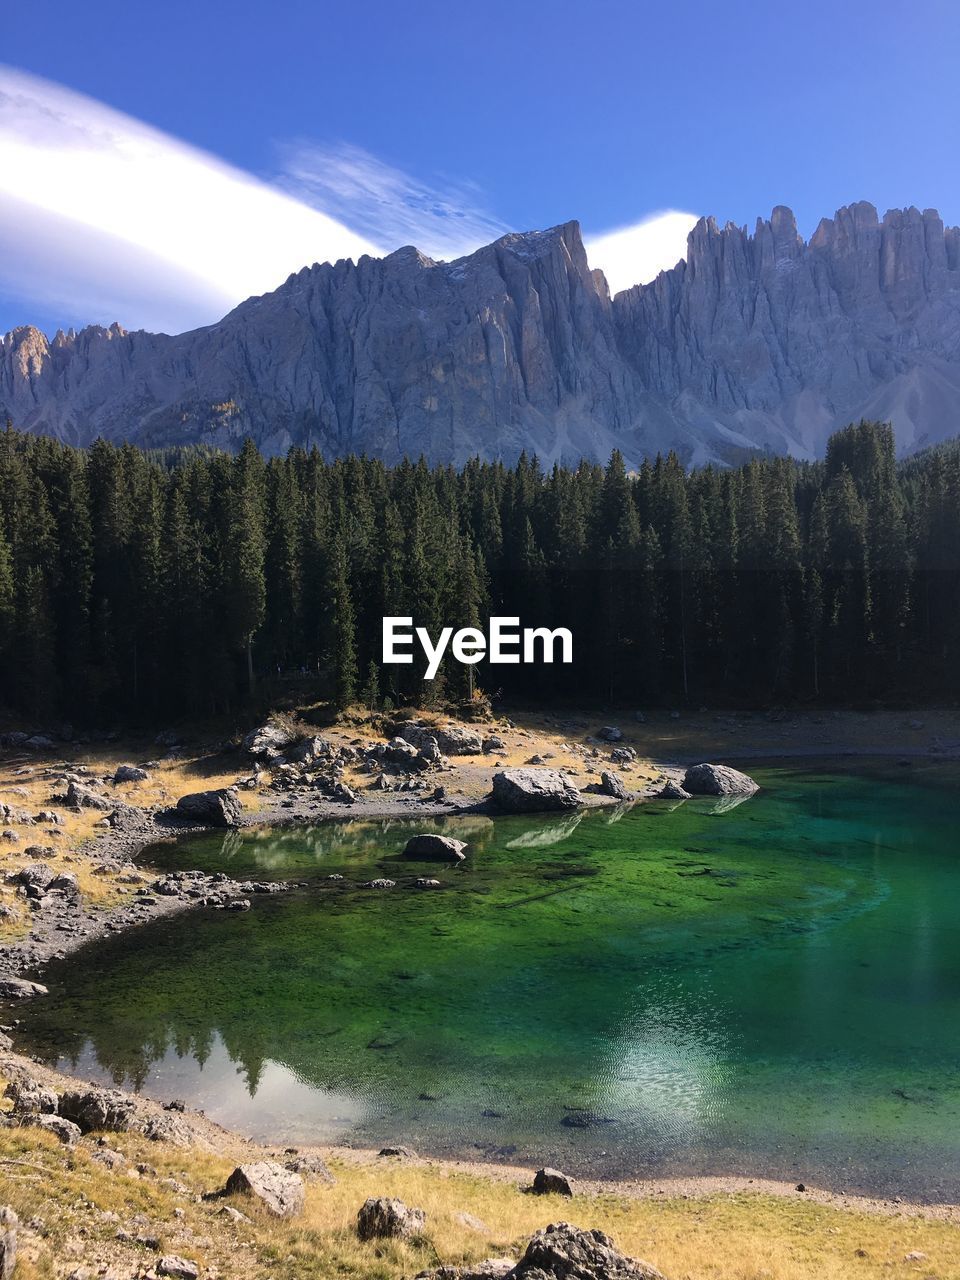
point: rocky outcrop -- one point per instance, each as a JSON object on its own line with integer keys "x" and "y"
{"x": 211, "y": 808}
{"x": 279, "y": 1189}
{"x": 434, "y": 848}
{"x": 757, "y": 339}
{"x": 717, "y": 780}
{"x": 533, "y": 791}
{"x": 450, "y": 739}
{"x": 95, "y": 1109}
{"x": 558, "y": 1252}
{"x": 565, "y": 1252}
{"x": 382, "y": 1217}
{"x": 269, "y": 740}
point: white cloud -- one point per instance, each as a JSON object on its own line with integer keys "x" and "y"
{"x": 637, "y": 254}
{"x": 103, "y": 218}
{"x": 444, "y": 221}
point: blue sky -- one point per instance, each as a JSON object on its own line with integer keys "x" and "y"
{"x": 471, "y": 118}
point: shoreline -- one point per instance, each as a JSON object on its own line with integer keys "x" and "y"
{"x": 29, "y": 957}
{"x": 211, "y": 1135}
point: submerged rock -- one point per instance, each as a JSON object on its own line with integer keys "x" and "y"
{"x": 383, "y": 1216}
{"x": 533, "y": 790}
{"x": 434, "y": 848}
{"x": 20, "y": 989}
{"x": 717, "y": 780}
{"x": 211, "y": 808}
{"x": 279, "y": 1189}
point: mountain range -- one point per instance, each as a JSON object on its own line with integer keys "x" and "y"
{"x": 756, "y": 341}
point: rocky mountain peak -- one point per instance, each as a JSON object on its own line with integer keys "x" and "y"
{"x": 757, "y": 340}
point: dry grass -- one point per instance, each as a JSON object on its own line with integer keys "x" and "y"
{"x": 28, "y": 783}
{"x": 77, "y": 1206}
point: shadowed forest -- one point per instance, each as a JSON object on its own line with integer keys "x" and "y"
{"x": 135, "y": 585}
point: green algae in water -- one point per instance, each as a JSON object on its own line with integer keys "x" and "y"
{"x": 770, "y": 989}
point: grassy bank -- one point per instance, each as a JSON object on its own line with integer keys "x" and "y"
{"x": 72, "y": 1208}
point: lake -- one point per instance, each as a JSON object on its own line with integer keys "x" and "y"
{"x": 771, "y": 989}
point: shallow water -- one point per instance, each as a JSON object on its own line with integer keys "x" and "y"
{"x": 773, "y": 989}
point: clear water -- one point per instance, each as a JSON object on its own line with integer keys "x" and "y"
{"x": 770, "y": 989}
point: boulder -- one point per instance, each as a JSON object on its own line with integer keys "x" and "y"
{"x": 451, "y": 739}
{"x": 64, "y": 1130}
{"x": 279, "y": 1189}
{"x": 548, "y": 1182}
{"x": 611, "y": 785}
{"x": 310, "y": 749}
{"x": 493, "y": 742}
{"x": 35, "y": 875}
{"x": 20, "y": 989}
{"x": 8, "y": 1241}
{"x": 399, "y": 751}
{"x": 79, "y": 797}
{"x": 178, "y": 1268}
{"x": 130, "y": 773}
{"x": 533, "y": 791}
{"x": 434, "y": 848}
{"x": 610, "y": 733}
{"x": 717, "y": 780}
{"x": 211, "y": 808}
{"x": 268, "y": 740}
{"x": 66, "y": 883}
{"x": 565, "y": 1252}
{"x": 672, "y": 791}
{"x": 397, "y": 1153}
{"x": 383, "y": 1216}
{"x": 99, "y": 1109}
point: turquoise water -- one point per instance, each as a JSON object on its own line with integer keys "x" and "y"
{"x": 770, "y": 989}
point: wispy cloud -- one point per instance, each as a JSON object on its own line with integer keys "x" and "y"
{"x": 103, "y": 217}
{"x": 443, "y": 219}
{"x": 638, "y": 253}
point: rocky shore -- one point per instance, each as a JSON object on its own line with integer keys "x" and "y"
{"x": 294, "y": 778}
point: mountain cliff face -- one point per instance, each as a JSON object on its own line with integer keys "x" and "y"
{"x": 754, "y": 341}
